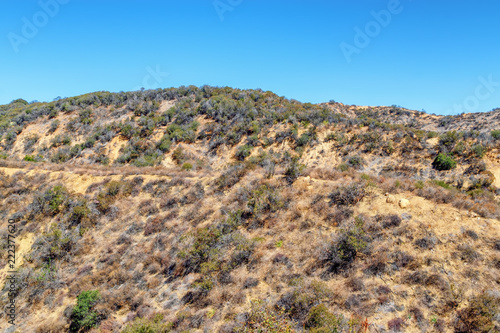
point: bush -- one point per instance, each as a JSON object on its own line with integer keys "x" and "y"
{"x": 344, "y": 250}
{"x": 478, "y": 316}
{"x": 479, "y": 150}
{"x": 355, "y": 161}
{"x": 83, "y": 317}
{"x": 396, "y": 324}
{"x": 178, "y": 155}
{"x": 112, "y": 191}
{"x": 495, "y": 134}
{"x": 148, "y": 326}
{"x": 444, "y": 162}
{"x": 52, "y": 200}
{"x": 347, "y": 196}
{"x": 320, "y": 319}
{"x": 243, "y": 152}
{"x": 262, "y": 319}
{"x": 53, "y": 126}
{"x": 54, "y": 245}
{"x": 265, "y": 199}
{"x": 293, "y": 170}
{"x": 187, "y": 166}
{"x": 164, "y": 144}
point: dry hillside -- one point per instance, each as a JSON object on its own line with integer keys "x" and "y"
{"x": 222, "y": 210}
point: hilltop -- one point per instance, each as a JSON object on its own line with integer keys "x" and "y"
{"x": 223, "y": 210}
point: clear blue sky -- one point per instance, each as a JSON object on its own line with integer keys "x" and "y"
{"x": 428, "y": 55}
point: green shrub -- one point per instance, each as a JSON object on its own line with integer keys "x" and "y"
{"x": 29, "y": 158}
{"x": 495, "y": 134}
{"x": 449, "y": 139}
{"x": 60, "y": 140}
{"x": 148, "y": 160}
{"x": 141, "y": 325}
{"x": 85, "y": 117}
{"x": 83, "y": 317}
{"x": 53, "y": 126}
{"x": 442, "y": 184}
{"x": 419, "y": 184}
{"x": 343, "y": 167}
{"x": 111, "y": 192}
{"x": 164, "y": 144}
{"x": 355, "y": 161}
{"x": 178, "y": 155}
{"x": 55, "y": 198}
{"x": 265, "y": 199}
{"x": 61, "y": 155}
{"x": 293, "y": 169}
{"x": 320, "y": 319}
{"x": 243, "y": 152}
{"x": 479, "y": 150}
{"x": 444, "y": 162}
{"x": 187, "y": 166}
{"x": 345, "y": 249}
{"x": 432, "y": 134}
{"x": 79, "y": 213}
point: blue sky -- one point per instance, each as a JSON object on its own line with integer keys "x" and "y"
{"x": 441, "y": 56}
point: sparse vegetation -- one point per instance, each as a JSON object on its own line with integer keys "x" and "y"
{"x": 167, "y": 210}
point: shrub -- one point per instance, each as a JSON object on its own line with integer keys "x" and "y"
{"x": 444, "y": 162}
{"x": 29, "y": 158}
{"x": 164, "y": 144}
{"x": 155, "y": 325}
{"x": 243, "y": 152}
{"x": 355, "y": 161}
{"x": 396, "y": 324}
{"x": 52, "y": 200}
{"x": 178, "y": 155}
{"x": 60, "y": 156}
{"x": 479, "y": 150}
{"x": 85, "y": 117}
{"x": 187, "y": 166}
{"x": 231, "y": 177}
{"x": 265, "y": 199}
{"x": 112, "y": 191}
{"x": 320, "y": 319}
{"x": 60, "y": 141}
{"x": 293, "y": 170}
{"x": 495, "y": 134}
{"x": 79, "y": 213}
{"x": 53, "y": 245}
{"x": 83, "y": 317}
{"x": 347, "y": 196}
{"x": 478, "y": 316}
{"x": 419, "y": 185}
{"x": 262, "y": 319}
{"x": 448, "y": 140}
{"x": 389, "y": 221}
{"x": 344, "y": 250}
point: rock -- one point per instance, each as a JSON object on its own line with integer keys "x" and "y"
{"x": 390, "y": 199}
{"x": 404, "y": 203}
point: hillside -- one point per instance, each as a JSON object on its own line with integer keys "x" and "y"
{"x": 223, "y": 210}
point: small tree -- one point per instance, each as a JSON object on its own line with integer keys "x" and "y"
{"x": 444, "y": 162}
{"x": 83, "y": 317}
